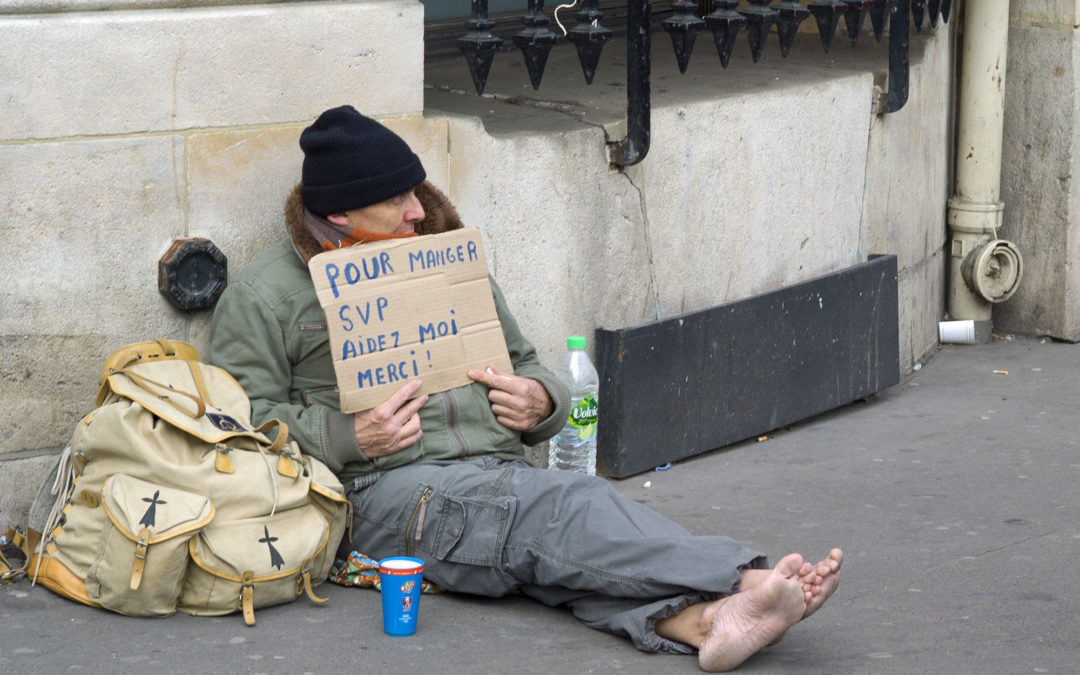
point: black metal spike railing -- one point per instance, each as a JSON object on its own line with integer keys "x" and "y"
{"x": 683, "y": 27}
{"x": 853, "y": 18}
{"x": 633, "y": 148}
{"x": 827, "y": 13}
{"x": 879, "y": 11}
{"x": 918, "y": 11}
{"x": 759, "y": 19}
{"x": 479, "y": 44}
{"x": 725, "y": 22}
{"x": 789, "y": 14}
{"x": 535, "y": 41}
{"x": 899, "y": 38}
{"x": 589, "y": 37}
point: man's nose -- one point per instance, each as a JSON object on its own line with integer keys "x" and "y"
{"x": 414, "y": 211}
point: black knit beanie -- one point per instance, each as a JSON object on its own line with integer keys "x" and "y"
{"x": 351, "y": 161}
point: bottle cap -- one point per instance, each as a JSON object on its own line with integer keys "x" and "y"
{"x": 575, "y": 342}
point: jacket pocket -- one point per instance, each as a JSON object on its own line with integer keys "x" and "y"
{"x": 143, "y": 549}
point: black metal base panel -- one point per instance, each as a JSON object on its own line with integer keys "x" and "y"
{"x": 683, "y": 386}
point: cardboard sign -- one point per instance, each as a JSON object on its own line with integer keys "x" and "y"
{"x": 403, "y": 309}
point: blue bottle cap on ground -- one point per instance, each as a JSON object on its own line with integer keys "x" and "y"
{"x": 575, "y": 342}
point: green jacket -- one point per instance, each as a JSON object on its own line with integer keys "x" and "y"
{"x": 270, "y": 333}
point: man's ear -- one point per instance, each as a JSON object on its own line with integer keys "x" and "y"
{"x": 338, "y": 219}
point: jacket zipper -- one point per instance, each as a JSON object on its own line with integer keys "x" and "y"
{"x": 450, "y": 406}
{"x": 418, "y": 514}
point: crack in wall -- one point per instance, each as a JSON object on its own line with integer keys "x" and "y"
{"x": 653, "y": 292}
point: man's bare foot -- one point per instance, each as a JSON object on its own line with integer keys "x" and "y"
{"x": 821, "y": 580}
{"x": 751, "y": 577}
{"x": 743, "y": 623}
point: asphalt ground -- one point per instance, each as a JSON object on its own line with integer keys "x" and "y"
{"x": 954, "y": 495}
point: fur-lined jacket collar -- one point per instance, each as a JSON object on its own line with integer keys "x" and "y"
{"x": 440, "y": 216}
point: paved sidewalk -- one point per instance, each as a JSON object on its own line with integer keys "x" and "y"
{"x": 954, "y": 495}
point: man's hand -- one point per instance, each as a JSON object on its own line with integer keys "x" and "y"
{"x": 519, "y": 403}
{"x": 392, "y": 426}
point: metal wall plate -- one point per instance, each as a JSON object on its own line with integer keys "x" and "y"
{"x": 683, "y": 386}
{"x": 193, "y": 273}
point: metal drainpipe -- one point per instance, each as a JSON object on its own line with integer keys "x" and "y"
{"x": 983, "y": 269}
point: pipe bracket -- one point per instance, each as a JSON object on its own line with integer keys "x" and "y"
{"x": 993, "y": 270}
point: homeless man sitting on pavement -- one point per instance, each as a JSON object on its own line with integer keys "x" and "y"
{"x": 443, "y": 477}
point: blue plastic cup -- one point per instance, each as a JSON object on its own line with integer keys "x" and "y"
{"x": 400, "y": 579}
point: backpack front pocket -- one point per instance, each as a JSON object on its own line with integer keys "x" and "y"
{"x": 143, "y": 551}
{"x": 253, "y": 562}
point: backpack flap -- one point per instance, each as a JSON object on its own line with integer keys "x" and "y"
{"x": 161, "y": 349}
{"x": 143, "y": 552}
{"x": 254, "y": 562}
{"x": 178, "y": 392}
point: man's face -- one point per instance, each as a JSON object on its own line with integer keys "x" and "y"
{"x": 397, "y": 215}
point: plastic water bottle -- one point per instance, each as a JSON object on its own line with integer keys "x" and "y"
{"x": 574, "y": 447}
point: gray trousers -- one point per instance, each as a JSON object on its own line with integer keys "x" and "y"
{"x": 490, "y": 527}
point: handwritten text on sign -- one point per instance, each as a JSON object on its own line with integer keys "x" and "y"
{"x": 410, "y": 308}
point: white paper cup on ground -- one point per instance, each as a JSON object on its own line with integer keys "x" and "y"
{"x": 957, "y": 332}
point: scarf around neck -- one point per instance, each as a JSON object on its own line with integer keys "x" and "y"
{"x": 331, "y": 236}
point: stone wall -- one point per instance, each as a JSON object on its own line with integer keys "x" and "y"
{"x": 1039, "y": 159}
{"x": 124, "y": 129}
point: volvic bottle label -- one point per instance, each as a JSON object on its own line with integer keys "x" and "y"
{"x": 583, "y": 418}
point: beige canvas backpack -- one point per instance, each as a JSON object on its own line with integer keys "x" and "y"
{"x": 168, "y": 499}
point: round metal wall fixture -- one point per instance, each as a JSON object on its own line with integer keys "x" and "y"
{"x": 993, "y": 270}
{"x": 193, "y": 273}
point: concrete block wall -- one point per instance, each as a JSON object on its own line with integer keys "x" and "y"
{"x": 130, "y": 127}
{"x": 1040, "y": 155}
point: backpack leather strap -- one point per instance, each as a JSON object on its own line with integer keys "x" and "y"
{"x": 282, "y": 436}
{"x": 306, "y": 574}
{"x": 247, "y": 597}
{"x": 140, "y": 558}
